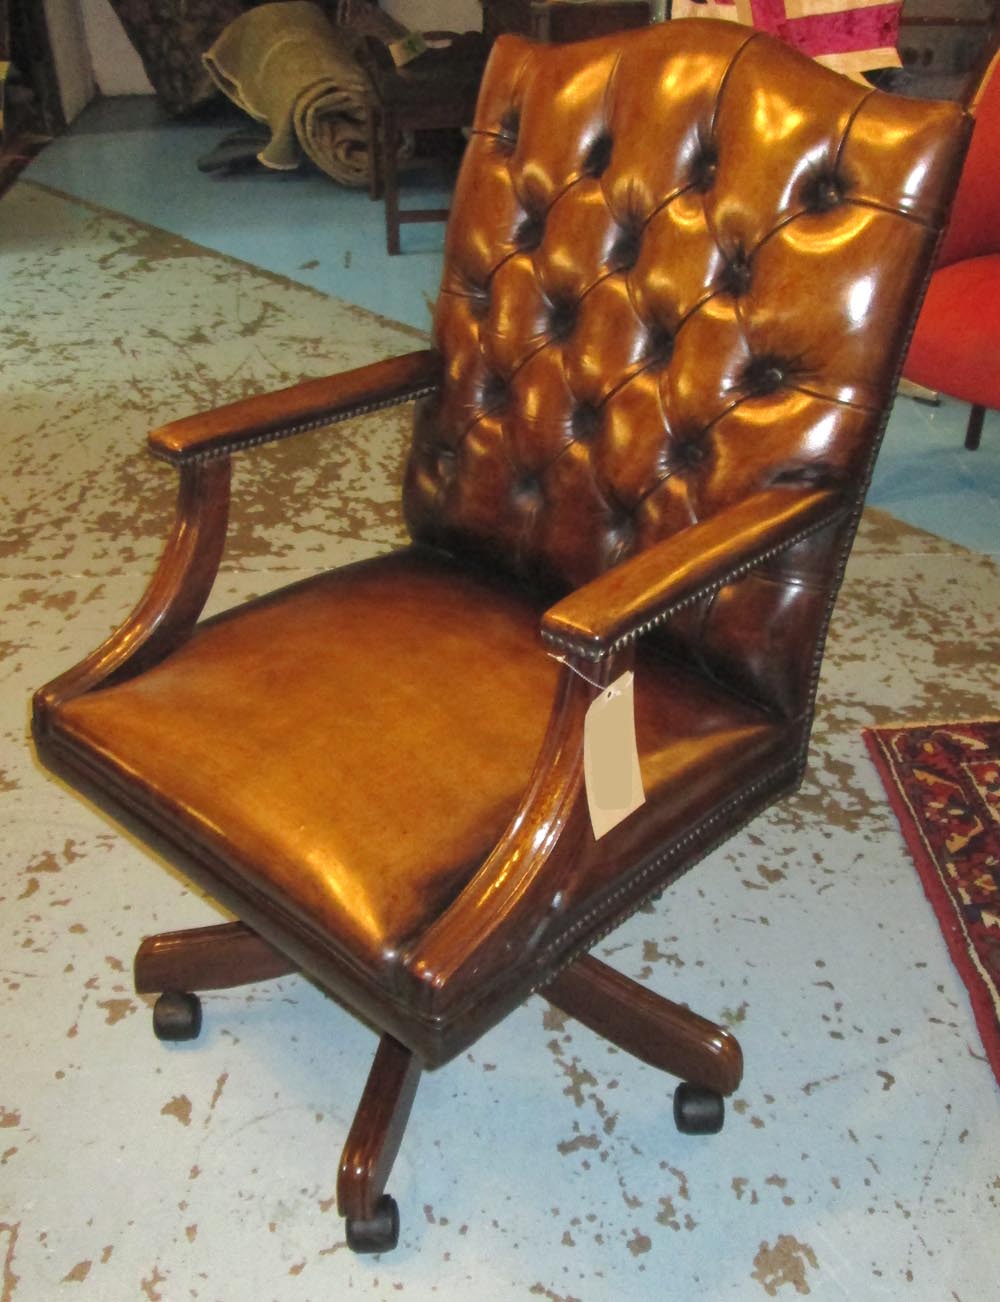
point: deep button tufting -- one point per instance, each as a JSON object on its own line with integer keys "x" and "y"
{"x": 735, "y": 277}
{"x": 689, "y": 452}
{"x": 586, "y": 422}
{"x": 659, "y": 344}
{"x": 529, "y": 233}
{"x": 509, "y": 126}
{"x": 562, "y": 318}
{"x": 625, "y": 250}
{"x": 527, "y": 494}
{"x": 479, "y": 302}
{"x": 598, "y": 156}
{"x": 823, "y": 191}
{"x": 621, "y": 531}
{"x": 763, "y": 375}
{"x": 445, "y": 461}
{"x": 495, "y": 392}
{"x": 704, "y": 167}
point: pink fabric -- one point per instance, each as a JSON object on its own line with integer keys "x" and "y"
{"x": 851, "y": 28}
{"x": 845, "y": 34}
{"x": 865, "y": 27}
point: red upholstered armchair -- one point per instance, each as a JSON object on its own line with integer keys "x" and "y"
{"x": 679, "y": 277}
{"x": 956, "y": 343}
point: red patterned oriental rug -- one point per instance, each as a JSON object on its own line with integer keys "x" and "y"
{"x": 943, "y": 782}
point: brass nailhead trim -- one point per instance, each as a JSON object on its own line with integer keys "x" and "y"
{"x": 588, "y": 652}
{"x": 241, "y": 444}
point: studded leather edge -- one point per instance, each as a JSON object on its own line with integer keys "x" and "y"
{"x": 242, "y": 443}
{"x": 590, "y": 652}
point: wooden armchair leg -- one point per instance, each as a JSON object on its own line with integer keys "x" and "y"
{"x": 371, "y": 1214}
{"x": 647, "y": 1025}
{"x": 390, "y": 178}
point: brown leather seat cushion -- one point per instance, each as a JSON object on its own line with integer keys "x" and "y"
{"x": 355, "y": 745}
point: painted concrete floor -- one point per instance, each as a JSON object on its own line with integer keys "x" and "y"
{"x": 860, "y": 1158}
{"x": 124, "y": 155}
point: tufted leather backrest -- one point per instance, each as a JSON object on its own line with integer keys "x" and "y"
{"x": 682, "y": 266}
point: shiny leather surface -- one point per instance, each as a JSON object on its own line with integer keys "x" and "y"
{"x": 681, "y": 270}
{"x": 382, "y": 733}
{"x": 684, "y": 272}
{"x": 310, "y": 404}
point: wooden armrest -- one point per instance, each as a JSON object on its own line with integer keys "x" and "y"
{"x": 305, "y": 406}
{"x": 199, "y": 446}
{"x": 620, "y": 605}
{"x": 173, "y": 600}
{"x": 520, "y": 878}
{"x": 519, "y": 886}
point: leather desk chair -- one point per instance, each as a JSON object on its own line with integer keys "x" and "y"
{"x": 679, "y": 279}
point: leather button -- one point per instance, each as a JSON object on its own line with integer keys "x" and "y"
{"x": 479, "y": 303}
{"x": 510, "y": 122}
{"x": 689, "y": 452}
{"x": 598, "y": 156}
{"x": 736, "y": 274}
{"x": 659, "y": 344}
{"x": 621, "y": 531}
{"x": 445, "y": 462}
{"x": 765, "y": 375}
{"x": 625, "y": 252}
{"x": 527, "y": 494}
{"x": 585, "y": 422}
{"x": 510, "y": 125}
{"x": 528, "y": 235}
{"x": 823, "y": 191}
{"x": 495, "y": 392}
{"x": 704, "y": 167}
{"x": 562, "y": 318}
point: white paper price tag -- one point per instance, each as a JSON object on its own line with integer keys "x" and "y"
{"x": 610, "y": 756}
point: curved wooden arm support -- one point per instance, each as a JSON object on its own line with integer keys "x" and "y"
{"x": 509, "y": 904}
{"x": 627, "y": 601}
{"x": 170, "y": 606}
{"x": 309, "y": 405}
{"x": 199, "y": 446}
{"x": 488, "y": 920}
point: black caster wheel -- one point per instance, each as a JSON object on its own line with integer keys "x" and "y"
{"x": 177, "y": 1016}
{"x": 380, "y": 1234}
{"x": 698, "y": 1111}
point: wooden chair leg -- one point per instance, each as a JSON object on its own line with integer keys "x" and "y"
{"x": 207, "y": 958}
{"x": 373, "y": 131}
{"x": 652, "y": 1028}
{"x": 371, "y": 1214}
{"x": 974, "y": 429}
{"x": 390, "y": 178}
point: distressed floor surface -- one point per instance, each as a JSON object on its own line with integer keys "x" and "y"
{"x": 860, "y": 1160}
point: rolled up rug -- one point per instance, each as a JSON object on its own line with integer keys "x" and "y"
{"x": 287, "y": 65}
